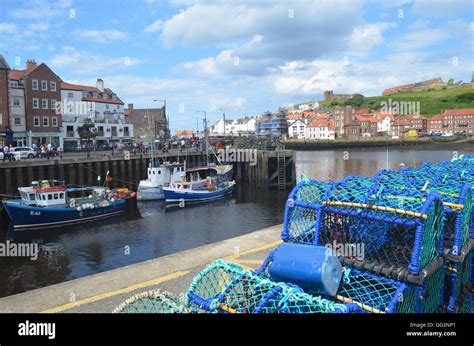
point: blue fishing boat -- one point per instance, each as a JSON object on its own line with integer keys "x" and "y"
{"x": 47, "y": 204}
{"x": 193, "y": 192}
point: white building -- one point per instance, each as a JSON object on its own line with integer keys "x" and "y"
{"x": 384, "y": 122}
{"x": 18, "y": 114}
{"x": 234, "y": 127}
{"x": 297, "y": 128}
{"x": 99, "y": 104}
{"x": 321, "y": 129}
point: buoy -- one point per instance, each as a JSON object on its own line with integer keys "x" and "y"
{"x": 314, "y": 268}
{"x": 133, "y": 194}
{"x": 79, "y": 209}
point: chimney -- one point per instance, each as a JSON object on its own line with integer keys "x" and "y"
{"x": 130, "y": 106}
{"x": 100, "y": 84}
{"x": 30, "y": 64}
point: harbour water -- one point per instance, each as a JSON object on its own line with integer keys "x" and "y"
{"x": 155, "y": 230}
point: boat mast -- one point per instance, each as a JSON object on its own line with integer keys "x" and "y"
{"x": 205, "y": 139}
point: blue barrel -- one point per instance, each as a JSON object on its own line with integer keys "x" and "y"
{"x": 314, "y": 268}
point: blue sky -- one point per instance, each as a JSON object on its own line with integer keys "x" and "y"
{"x": 241, "y": 57}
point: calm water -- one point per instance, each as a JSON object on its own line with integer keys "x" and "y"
{"x": 155, "y": 230}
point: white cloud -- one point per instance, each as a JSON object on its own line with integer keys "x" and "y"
{"x": 41, "y": 9}
{"x": 367, "y": 36}
{"x": 101, "y": 36}
{"x": 41, "y": 26}
{"x": 8, "y": 28}
{"x": 83, "y": 62}
{"x": 155, "y": 26}
{"x": 421, "y": 39}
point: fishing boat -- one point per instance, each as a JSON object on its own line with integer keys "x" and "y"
{"x": 47, "y": 204}
{"x": 159, "y": 176}
{"x": 194, "y": 191}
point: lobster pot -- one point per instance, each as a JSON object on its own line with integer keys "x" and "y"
{"x": 154, "y": 301}
{"x": 393, "y": 234}
{"x": 459, "y": 276}
{"x": 226, "y": 287}
{"x": 378, "y": 294}
{"x": 313, "y": 268}
{"x": 467, "y": 304}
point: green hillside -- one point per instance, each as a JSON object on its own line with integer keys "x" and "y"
{"x": 431, "y": 102}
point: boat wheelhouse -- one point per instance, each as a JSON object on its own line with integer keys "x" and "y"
{"x": 159, "y": 176}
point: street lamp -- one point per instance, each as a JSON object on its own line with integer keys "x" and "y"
{"x": 205, "y": 136}
{"x": 166, "y": 119}
{"x": 223, "y": 115}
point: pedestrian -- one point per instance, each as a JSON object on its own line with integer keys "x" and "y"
{"x": 60, "y": 152}
{"x": 49, "y": 150}
{"x": 6, "y": 149}
{"x": 10, "y": 153}
{"x": 43, "y": 151}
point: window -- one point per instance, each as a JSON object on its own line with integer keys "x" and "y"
{"x": 36, "y": 121}
{"x": 54, "y": 122}
{"x": 70, "y": 95}
{"x": 107, "y": 106}
{"x": 1, "y": 118}
{"x": 34, "y": 84}
{"x": 16, "y": 102}
{"x": 44, "y": 103}
{"x": 44, "y": 198}
{"x": 53, "y": 86}
{"x": 14, "y": 83}
{"x": 56, "y": 196}
{"x": 61, "y": 195}
{"x": 45, "y": 121}
{"x": 50, "y": 196}
{"x": 36, "y": 103}
{"x": 118, "y": 107}
{"x": 44, "y": 85}
{"x": 53, "y": 104}
{"x": 17, "y": 121}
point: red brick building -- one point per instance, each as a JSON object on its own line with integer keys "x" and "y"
{"x": 4, "y": 100}
{"x": 42, "y": 92}
{"x": 458, "y": 121}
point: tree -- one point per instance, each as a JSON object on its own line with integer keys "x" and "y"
{"x": 87, "y": 132}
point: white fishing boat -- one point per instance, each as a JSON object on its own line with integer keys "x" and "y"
{"x": 159, "y": 176}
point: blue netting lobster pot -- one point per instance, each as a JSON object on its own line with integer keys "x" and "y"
{"x": 378, "y": 294}
{"x": 395, "y": 235}
{"x": 459, "y": 276}
{"x": 226, "y": 287}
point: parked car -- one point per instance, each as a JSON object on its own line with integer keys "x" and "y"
{"x": 24, "y": 152}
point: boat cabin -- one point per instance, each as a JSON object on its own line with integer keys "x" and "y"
{"x": 166, "y": 173}
{"x": 44, "y": 193}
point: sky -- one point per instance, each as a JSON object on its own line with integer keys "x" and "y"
{"x": 240, "y": 57}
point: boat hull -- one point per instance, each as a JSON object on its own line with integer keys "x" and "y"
{"x": 31, "y": 217}
{"x": 178, "y": 195}
{"x": 150, "y": 194}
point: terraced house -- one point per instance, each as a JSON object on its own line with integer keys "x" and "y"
{"x": 39, "y": 89}
{"x": 99, "y": 105}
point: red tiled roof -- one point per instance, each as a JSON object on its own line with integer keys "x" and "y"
{"x": 184, "y": 132}
{"x": 294, "y": 116}
{"x": 361, "y": 118}
{"x": 398, "y": 88}
{"x": 436, "y": 117}
{"x": 69, "y": 86}
{"x": 363, "y": 111}
{"x": 96, "y": 99}
{"x": 322, "y": 123}
{"x": 463, "y": 111}
{"x": 323, "y": 116}
{"x": 382, "y": 115}
{"x": 16, "y": 74}
{"x": 308, "y": 115}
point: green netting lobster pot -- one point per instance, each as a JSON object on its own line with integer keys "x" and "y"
{"x": 226, "y": 287}
{"x": 378, "y": 294}
{"x": 153, "y": 301}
